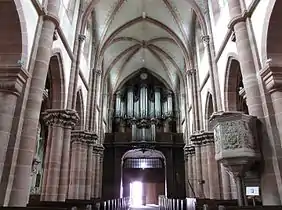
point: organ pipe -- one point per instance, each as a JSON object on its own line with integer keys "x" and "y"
{"x": 169, "y": 103}
{"x": 157, "y": 101}
{"x": 136, "y": 108}
{"x": 118, "y": 104}
{"x": 130, "y": 102}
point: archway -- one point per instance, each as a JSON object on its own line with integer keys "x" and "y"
{"x": 209, "y": 110}
{"x": 235, "y": 95}
{"x": 53, "y": 98}
{"x": 147, "y": 169}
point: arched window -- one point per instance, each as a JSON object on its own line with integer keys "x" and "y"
{"x": 70, "y": 9}
{"x": 87, "y": 43}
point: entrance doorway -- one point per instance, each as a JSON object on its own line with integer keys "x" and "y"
{"x": 143, "y": 176}
{"x": 136, "y": 193}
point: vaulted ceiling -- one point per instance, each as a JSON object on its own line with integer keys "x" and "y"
{"x": 152, "y": 34}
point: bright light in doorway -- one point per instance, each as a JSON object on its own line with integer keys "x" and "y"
{"x": 136, "y": 193}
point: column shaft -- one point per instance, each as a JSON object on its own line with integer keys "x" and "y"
{"x": 89, "y": 172}
{"x": 72, "y": 186}
{"x": 204, "y": 160}
{"x": 20, "y": 189}
{"x": 83, "y": 165}
{"x": 77, "y": 170}
{"x": 64, "y": 175}
{"x": 213, "y": 173}
{"x": 226, "y": 191}
{"x": 97, "y": 176}
{"x": 199, "y": 174}
{"x": 93, "y": 187}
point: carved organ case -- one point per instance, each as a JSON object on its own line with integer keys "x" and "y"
{"x": 144, "y": 106}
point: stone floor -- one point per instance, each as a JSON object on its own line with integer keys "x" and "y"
{"x": 147, "y": 207}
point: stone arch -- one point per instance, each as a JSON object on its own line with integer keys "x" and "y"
{"x": 271, "y": 38}
{"x": 79, "y": 106}
{"x": 208, "y": 110}
{"x": 57, "y": 80}
{"x": 234, "y": 95}
{"x": 13, "y": 39}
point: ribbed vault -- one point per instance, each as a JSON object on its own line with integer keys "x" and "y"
{"x": 152, "y": 34}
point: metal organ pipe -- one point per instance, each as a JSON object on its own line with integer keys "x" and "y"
{"x": 157, "y": 101}
{"x": 118, "y": 104}
{"x": 136, "y": 108}
{"x": 130, "y": 102}
{"x": 144, "y": 100}
{"x": 169, "y": 103}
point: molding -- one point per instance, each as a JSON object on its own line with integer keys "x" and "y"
{"x": 12, "y": 79}
{"x": 272, "y": 77}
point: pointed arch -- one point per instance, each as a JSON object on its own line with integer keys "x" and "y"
{"x": 57, "y": 80}
{"x": 80, "y": 110}
{"x": 208, "y": 109}
{"x": 14, "y": 37}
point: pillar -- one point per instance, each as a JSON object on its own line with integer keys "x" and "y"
{"x": 197, "y": 141}
{"x": 65, "y": 160}
{"x": 212, "y": 167}
{"x": 81, "y": 166}
{"x": 89, "y": 167}
{"x": 190, "y": 179}
{"x": 271, "y": 193}
{"x": 20, "y": 187}
{"x": 57, "y": 121}
{"x": 94, "y": 174}
{"x": 204, "y": 161}
{"x": 12, "y": 79}
{"x": 99, "y": 170}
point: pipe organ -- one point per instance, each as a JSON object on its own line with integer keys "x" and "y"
{"x": 143, "y": 109}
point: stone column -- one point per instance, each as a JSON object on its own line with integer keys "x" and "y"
{"x": 77, "y": 139}
{"x": 271, "y": 193}
{"x": 65, "y": 161}
{"x": 190, "y": 182}
{"x": 82, "y": 173}
{"x": 212, "y": 167}
{"x": 96, "y": 99}
{"x": 12, "y": 79}
{"x": 192, "y": 78}
{"x": 226, "y": 188}
{"x": 57, "y": 120}
{"x": 186, "y": 165}
{"x": 93, "y": 139}
{"x": 99, "y": 167}
{"x": 94, "y": 165}
{"x": 204, "y": 160}
{"x": 197, "y": 141}
{"x": 20, "y": 188}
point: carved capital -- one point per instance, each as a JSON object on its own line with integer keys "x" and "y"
{"x": 191, "y": 72}
{"x": 206, "y": 39}
{"x": 12, "y": 79}
{"x": 203, "y": 137}
{"x": 189, "y": 150}
{"x": 84, "y": 137}
{"x": 81, "y": 37}
{"x": 99, "y": 149}
{"x": 272, "y": 77}
{"x": 98, "y": 72}
{"x": 60, "y": 117}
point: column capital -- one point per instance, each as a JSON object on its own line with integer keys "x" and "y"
{"x": 81, "y": 37}
{"x": 84, "y": 137}
{"x": 12, "y": 79}
{"x": 206, "y": 39}
{"x": 98, "y": 72}
{"x": 202, "y": 137}
{"x": 98, "y": 149}
{"x": 189, "y": 149}
{"x": 60, "y": 117}
{"x": 190, "y": 72}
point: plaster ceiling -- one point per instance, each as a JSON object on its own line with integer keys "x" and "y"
{"x": 134, "y": 34}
